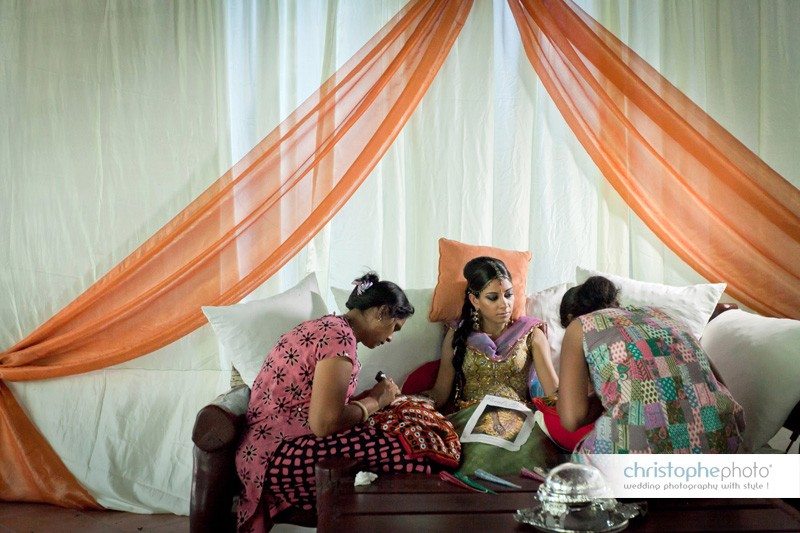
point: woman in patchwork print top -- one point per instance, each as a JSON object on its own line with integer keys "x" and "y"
{"x": 302, "y": 407}
{"x": 654, "y": 389}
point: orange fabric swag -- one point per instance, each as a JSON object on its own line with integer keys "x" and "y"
{"x": 240, "y": 231}
{"x": 705, "y": 195}
{"x": 40, "y": 476}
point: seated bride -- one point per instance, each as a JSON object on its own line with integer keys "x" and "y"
{"x": 491, "y": 368}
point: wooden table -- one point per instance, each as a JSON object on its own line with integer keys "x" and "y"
{"x": 421, "y": 504}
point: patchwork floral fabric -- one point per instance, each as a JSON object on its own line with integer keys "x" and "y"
{"x": 657, "y": 387}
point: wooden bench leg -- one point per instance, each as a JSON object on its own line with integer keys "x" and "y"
{"x": 330, "y": 474}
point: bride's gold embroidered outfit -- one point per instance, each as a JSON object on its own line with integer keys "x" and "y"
{"x": 502, "y": 367}
{"x": 507, "y": 378}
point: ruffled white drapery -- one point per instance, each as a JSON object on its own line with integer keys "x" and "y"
{"x": 116, "y": 115}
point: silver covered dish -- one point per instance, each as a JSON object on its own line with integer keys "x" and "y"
{"x": 575, "y": 498}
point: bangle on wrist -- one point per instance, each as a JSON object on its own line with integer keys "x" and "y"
{"x": 364, "y": 410}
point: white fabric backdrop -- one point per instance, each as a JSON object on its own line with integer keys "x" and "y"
{"x": 114, "y": 115}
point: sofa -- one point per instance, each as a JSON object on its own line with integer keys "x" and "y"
{"x": 217, "y": 429}
{"x": 736, "y": 341}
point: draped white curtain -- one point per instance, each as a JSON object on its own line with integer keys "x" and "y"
{"x": 488, "y": 159}
{"x": 114, "y": 115}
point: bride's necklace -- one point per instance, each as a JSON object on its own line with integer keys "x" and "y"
{"x": 494, "y": 336}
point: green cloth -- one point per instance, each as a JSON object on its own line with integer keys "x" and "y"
{"x": 538, "y": 450}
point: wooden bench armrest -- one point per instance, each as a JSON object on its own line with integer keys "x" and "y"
{"x": 217, "y": 424}
{"x": 721, "y": 308}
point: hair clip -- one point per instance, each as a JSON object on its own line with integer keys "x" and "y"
{"x": 361, "y": 285}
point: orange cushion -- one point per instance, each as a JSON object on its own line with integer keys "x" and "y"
{"x": 448, "y": 296}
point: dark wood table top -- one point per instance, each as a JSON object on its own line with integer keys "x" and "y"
{"x": 419, "y": 504}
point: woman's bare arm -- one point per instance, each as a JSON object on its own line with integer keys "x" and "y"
{"x": 444, "y": 379}
{"x": 542, "y": 362}
{"x": 328, "y": 413}
{"x": 573, "y": 404}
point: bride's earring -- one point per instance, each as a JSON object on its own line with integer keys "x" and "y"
{"x": 476, "y": 319}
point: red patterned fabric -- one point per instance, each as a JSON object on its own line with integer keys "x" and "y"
{"x": 422, "y": 430}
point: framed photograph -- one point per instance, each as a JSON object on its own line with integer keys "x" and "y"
{"x": 499, "y": 422}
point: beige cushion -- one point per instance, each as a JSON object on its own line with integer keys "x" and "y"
{"x": 692, "y": 304}
{"x": 246, "y": 332}
{"x": 545, "y": 304}
{"x": 759, "y": 360}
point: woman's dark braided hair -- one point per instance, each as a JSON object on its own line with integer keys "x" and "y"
{"x": 478, "y": 272}
{"x": 371, "y": 292}
{"x": 595, "y": 293}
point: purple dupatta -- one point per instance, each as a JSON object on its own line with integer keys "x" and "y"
{"x": 500, "y": 349}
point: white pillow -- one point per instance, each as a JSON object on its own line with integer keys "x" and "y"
{"x": 758, "y": 358}
{"x": 693, "y": 304}
{"x": 246, "y": 332}
{"x": 545, "y": 305}
{"x": 418, "y": 342}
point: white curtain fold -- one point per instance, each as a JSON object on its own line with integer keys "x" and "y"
{"x": 114, "y": 115}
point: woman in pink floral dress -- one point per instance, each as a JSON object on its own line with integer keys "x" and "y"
{"x": 302, "y": 407}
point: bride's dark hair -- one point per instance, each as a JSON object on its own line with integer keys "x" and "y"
{"x": 478, "y": 272}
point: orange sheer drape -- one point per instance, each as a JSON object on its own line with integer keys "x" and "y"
{"x": 30, "y": 470}
{"x": 240, "y": 231}
{"x": 705, "y": 195}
